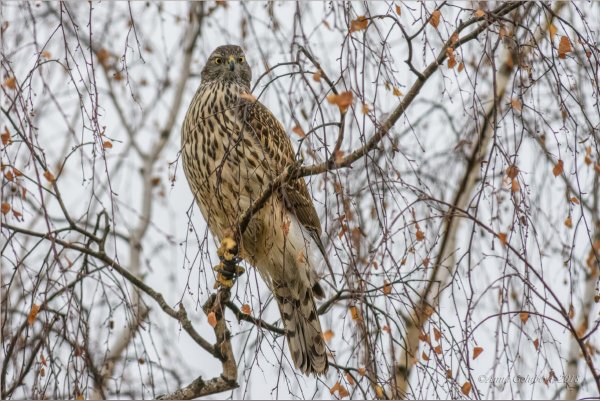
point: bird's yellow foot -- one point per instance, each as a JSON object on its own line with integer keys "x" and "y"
{"x": 228, "y": 270}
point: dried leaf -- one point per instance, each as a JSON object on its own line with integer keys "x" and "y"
{"x": 552, "y": 31}
{"x": 5, "y": 208}
{"x": 558, "y": 168}
{"x": 574, "y": 200}
{"x": 437, "y": 334}
{"x": 334, "y": 388}
{"x": 571, "y": 312}
{"x": 212, "y": 319}
{"x": 512, "y": 171}
{"x": 9, "y": 176}
{"x": 317, "y": 76}
{"x": 516, "y": 104}
{"x": 420, "y": 235}
{"x": 49, "y": 176}
{"x": 248, "y": 96}
{"x": 438, "y": 349}
{"x": 359, "y": 24}
{"x": 6, "y": 139}
{"x": 362, "y": 371}
{"x": 246, "y": 309}
{"x": 536, "y": 343}
{"x": 476, "y": 352}
{"x": 342, "y": 392}
{"x": 349, "y": 379}
{"x": 103, "y": 57}
{"x": 343, "y": 100}
{"x": 354, "y": 313}
{"x": 298, "y": 131}
{"x": 461, "y": 66}
{"x": 564, "y": 47}
{"x": 502, "y": 237}
{"x": 285, "y": 226}
{"x": 35, "y": 308}
{"x": 524, "y": 316}
{"x": 435, "y": 18}
{"x": 426, "y": 262}
{"x": 107, "y": 145}
{"x": 398, "y": 10}
{"x": 424, "y": 356}
{"x": 10, "y": 83}
{"x": 328, "y": 335}
{"x": 379, "y": 391}
{"x": 46, "y": 54}
{"x": 428, "y": 311}
{"x": 365, "y": 108}
{"x": 568, "y": 222}
{"x": 387, "y": 287}
{"x": 466, "y": 388}
{"x": 449, "y": 373}
{"x": 386, "y": 328}
{"x": 397, "y": 92}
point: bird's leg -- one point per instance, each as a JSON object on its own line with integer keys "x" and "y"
{"x": 228, "y": 269}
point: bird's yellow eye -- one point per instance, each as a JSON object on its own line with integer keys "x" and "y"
{"x": 218, "y": 60}
{"x": 241, "y": 59}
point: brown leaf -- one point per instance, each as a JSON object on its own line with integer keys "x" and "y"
{"x": 5, "y": 208}
{"x": 424, "y": 356}
{"x": 536, "y": 343}
{"x": 398, "y": 10}
{"x": 435, "y": 18}
{"x": 461, "y": 66}
{"x": 397, "y": 92}
{"x": 298, "y": 131}
{"x": 524, "y": 316}
{"x": 9, "y": 176}
{"x": 285, "y": 226}
{"x": 574, "y": 200}
{"x": 343, "y": 100}
{"x": 10, "y": 83}
{"x": 246, "y": 309}
{"x": 571, "y": 312}
{"x": 558, "y": 168}
{"x": 437, "y": 334}
{"x": 502, "y": 237}
{"x": 107, "y": 145}
{"x": 428, "y": 311}
{"x": 426, "y": 262}
{"x": 568, "y": 222}
{"x": 438, "y": 349}
{"x": 328, "y": 335}
{"x": 49, "y": 176}
{"x": 6, "y": 139}
{"x": 362, "y": 371}
{"x": 564, "y": 47}
{"x": 212, "y": 319}
{"x": 479, "y": 13}
{"x": 466, "y": 388}
{"x": 379, "y": 391}
{"x": 317, "y": 76}
{"x": 334, "y": 388}
{"x": 552, "y": 31}
{"x": 354, "y": 313}
{"x": 420, "y": 235}
{"x": 516, "y": 104}
{"x": 359, "y": 24}
{"x": 35, "y": 308}
{"x": 512, "y": 171}
{"x": 449, "y": 373}
{"x": 349, "y": 379}
{"x": 387, "y": 287}
{"x": 103, "y": 57}
{"x": 343, "y": 392}
{"x": 365, "y": 108}
{"x": 387, "y": 329}
{"x": 476, "y": 352}
{"x": 46, "y": 54}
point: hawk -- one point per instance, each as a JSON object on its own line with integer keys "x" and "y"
{"x": 232, "y": 148}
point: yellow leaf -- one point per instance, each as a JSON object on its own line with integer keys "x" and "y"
{"x": 212, "y": 319}
{"x": 564, "y": 47}
{"x": 343, "y": 100}
{"x": 35, "y": 308}
{"x": 476, "y": 352}
{"x": 359, "y": 24}
{"x": 558, "y": 168}
{"x": 435, "y": 18}
{"x": 298, "y": 131}
{"x": 466, "y": 388}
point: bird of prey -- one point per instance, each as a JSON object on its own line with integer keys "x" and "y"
{"x": 232, "y": 148}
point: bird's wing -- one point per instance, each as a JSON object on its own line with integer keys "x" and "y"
{"x": 277, "y": 147}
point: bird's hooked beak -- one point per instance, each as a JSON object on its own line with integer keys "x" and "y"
{"x": 231, "y": 63}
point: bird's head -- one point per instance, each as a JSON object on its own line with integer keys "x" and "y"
{"x": 227, "y": 63}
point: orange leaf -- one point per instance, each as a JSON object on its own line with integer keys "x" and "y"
{"x": 35, "y": 308}
{"x": 298, "y": 131}
{"x": 502, "y": 237}
{"x": 5, "y": 207}
{"x": 359, "y": 24}
{"x": 437, "y": 334}
{"x": 569, "y": 222}
{"x": 343, "y": 100}
{"x": 335, "y": 388}
{"x": 349, "y": 379}
{"x": 420, "y": 235}
{"x": 10, "y": 83}
{"x": 6, "y": 137}
{"x": 558, "y": 168}
{"x": 46, "y": 54}
{"x": 49, "y": 176}
{"x": 354, "y": 313}
{"x": 438, "y": 349}
{"x": 435, "y": 18}
{"x": 517, "y": 105}
{"x": 424, "y": 356}
{"x": 9, "y": 176}
{"x": 524, "y": 316}
{"x": 552, "y": 31}
{"x": 564, "y": 47}
{"x": 212, "y": 319}
{"x": 379, "y": 391}
{"x": 512, "y": 171}
{"x": 317, "y": 76}
{"x": 476, "y": 352}
{"x": 107, "y": 145}
{"x": 328, "y": 335}
{"x": 398, "y": 10}
{"x": 246, "y": 309}
{"x": 362, "y": 371}
{"x": 343, "y": 392}
{"x": 574, "y": 200}
{"x": 466, "y": 388}
{"x": 387, "y": 287}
